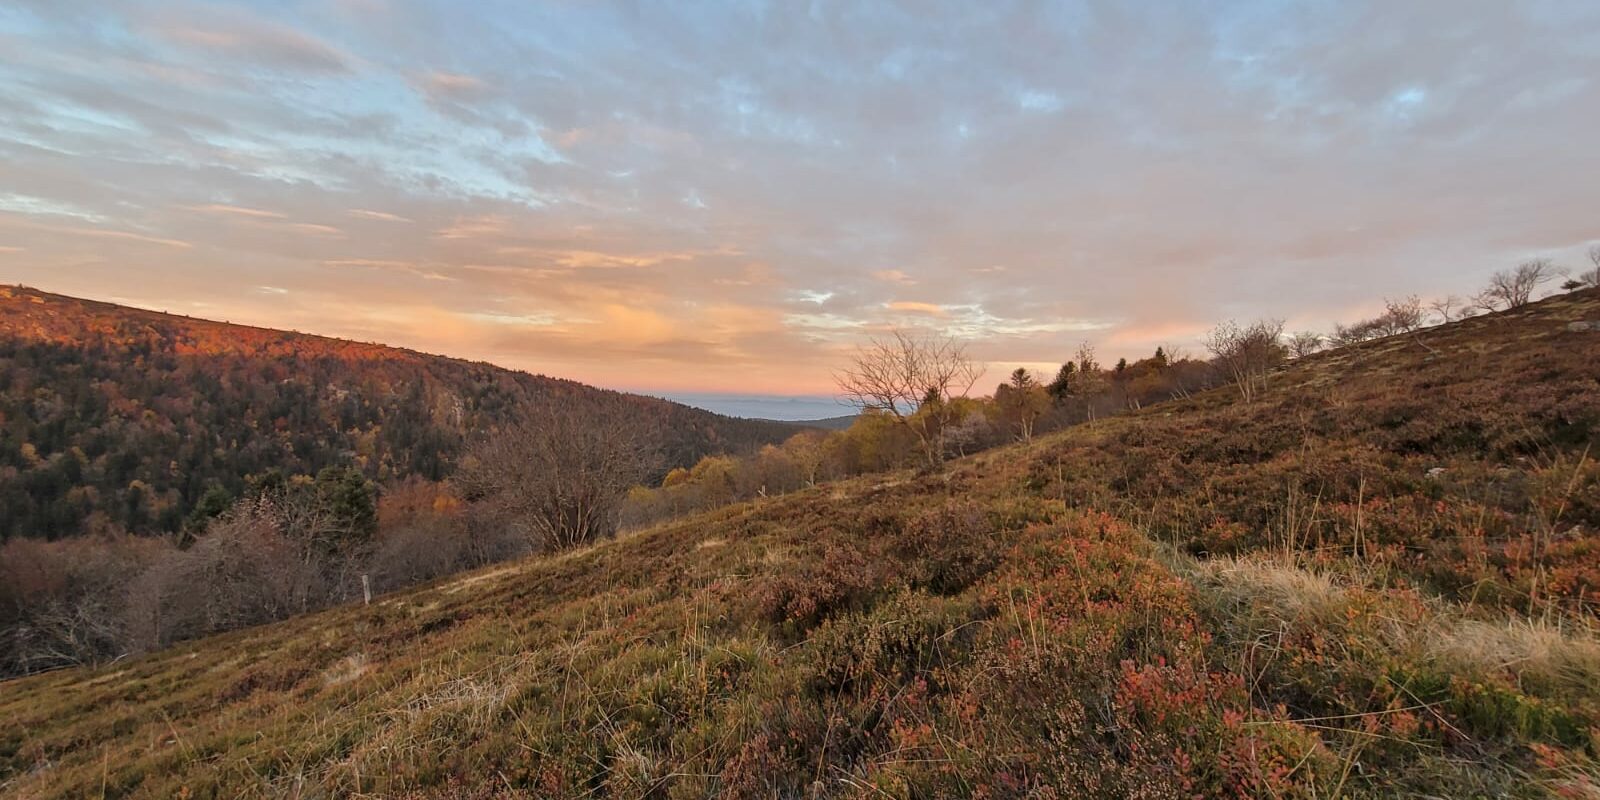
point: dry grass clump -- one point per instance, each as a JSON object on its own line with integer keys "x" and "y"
{"x": 1343, "y": 652}
{"x": 1549, "y": 653}
{"x": 1546, "y": 655}
{"x": 1264, "y": 586}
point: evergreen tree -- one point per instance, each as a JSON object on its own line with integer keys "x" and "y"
{"x": 350, "y": 498}
{"x": 210, "y": 506}
{"x": 1061, "y": 388}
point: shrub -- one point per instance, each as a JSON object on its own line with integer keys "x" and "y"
{"x": 842, "y": 578}
{"x": 244, "y": 571}
{"x": 949, "y": 549}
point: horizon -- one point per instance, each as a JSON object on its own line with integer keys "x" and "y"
{"x": 721, "y": 202}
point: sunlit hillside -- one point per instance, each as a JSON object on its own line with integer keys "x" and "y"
{"x": 1377, "y": 578}
{"x": 118, "y": 417}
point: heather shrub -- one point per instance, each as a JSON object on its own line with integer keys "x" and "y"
{"x": 949, "y": 549}
{"x": 842, "y": 578}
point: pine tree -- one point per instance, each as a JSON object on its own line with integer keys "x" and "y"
{"x": 1061, "y": 388}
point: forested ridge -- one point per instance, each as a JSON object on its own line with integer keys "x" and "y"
{"x": 113, "y": 417}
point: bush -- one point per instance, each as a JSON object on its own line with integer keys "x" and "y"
{"x": 244, "y": 571}
{"x": 842, "y": 579}
{"x": 949, "y": 549}
{"x": 61, "y": 602}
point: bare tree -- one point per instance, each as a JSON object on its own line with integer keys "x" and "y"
{"x": 1245, "y": 355}
{"x": 1514, "y": 288}
{"x": 1451, "y": 308}
{"x": 1402, "y": 315}
{"x": 912, "y": 379}
{"x": 1087, "y": 382}
{"x": 1304, "y": 343}
{"x": 250, "y": 567}
{"x": 1592, "y": 277}
{"x": 558, "y": 474}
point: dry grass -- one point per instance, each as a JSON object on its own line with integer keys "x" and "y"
{"x": 1323, "y": 619}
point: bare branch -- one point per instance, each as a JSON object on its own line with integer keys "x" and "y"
{"x": 912, "y": 379}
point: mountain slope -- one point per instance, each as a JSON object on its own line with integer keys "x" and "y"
{"x": 829, "y": 423}
{"x": 130, "y": 416}
{"x": 1375, "y": 580}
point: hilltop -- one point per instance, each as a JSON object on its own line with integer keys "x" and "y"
{"x": 124, "y": 417}
{"x": 1376, "y": 579}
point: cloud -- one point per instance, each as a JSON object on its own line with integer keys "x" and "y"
{"x": 314, "y": 228}
{"x": 238, "y": 34}
{"x": 723, "y": 197}
{"x": 375, "y": 215}
{"x": 237, "y": 211}
{"x": 74, "y": 231}
{"x": 451, "y": 85}
{"x": 916, "y": 307}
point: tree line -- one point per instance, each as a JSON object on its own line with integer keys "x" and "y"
{"x": 115, "y": 419}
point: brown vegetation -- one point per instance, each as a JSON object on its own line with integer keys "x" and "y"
{"x": 1376, "y": 579}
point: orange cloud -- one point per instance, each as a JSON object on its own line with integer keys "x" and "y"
{"x": 103, "y": 233}
{"x": 237, "y": 211}
{"x": 917, "y": 308}
{"x": 377, "y": 215}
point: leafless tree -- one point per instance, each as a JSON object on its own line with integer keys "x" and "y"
{"x": 248, "y": 568}
{"x": 558, "y": 474}
{"x": 1514, "y": 288}
{"x": 970, "y": 431}
{"x": 1451, "y": 308}
{"x": 1304, "y": 343}
{"x": 1402, "y": 315}
{"x": 1087, "y": 381}
{"x": 912, "y": 379}
{"x": 1592, "y": 277}
{"x": 1247, "y": 354}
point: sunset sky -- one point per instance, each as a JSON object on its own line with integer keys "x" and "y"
{"x": 707, "y": 200}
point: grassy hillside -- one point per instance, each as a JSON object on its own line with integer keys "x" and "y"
{"x": 117, "y": 416}
{"x": 1375, "y": 580}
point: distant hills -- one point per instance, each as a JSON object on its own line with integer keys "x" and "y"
{"x": 118, "y": 417}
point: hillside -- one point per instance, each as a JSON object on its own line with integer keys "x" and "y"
{"x": 122, "y": 416}
{"x": 829, "y": 423}
{"x": 1377, "y": 579}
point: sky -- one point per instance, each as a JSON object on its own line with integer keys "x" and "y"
{"x": 718, "y": 200}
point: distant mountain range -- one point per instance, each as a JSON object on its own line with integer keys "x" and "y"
{"x": 119, "y": 417}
